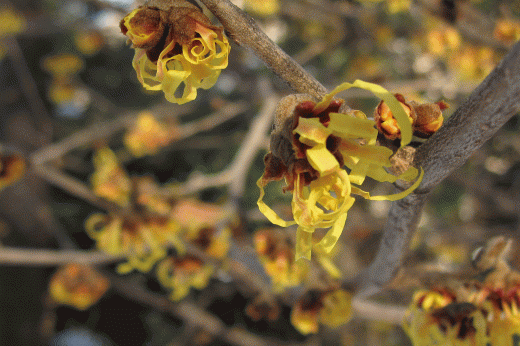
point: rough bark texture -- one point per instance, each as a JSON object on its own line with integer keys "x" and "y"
{"x": 488, "y": 107}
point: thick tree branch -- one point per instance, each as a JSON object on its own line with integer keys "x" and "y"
{"x": 244, "y": 31}
{"x": 488, "y": 107}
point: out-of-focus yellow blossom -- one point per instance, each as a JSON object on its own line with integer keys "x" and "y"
{"x": 309, "y": 147}
{"x": 77, "y": 285}
{"x": 306, "y": 312}
{"x": 193, "y": 54}
{"x": 180, "y": 274}
{"x": 142, "y": 242}
{"x": 332, "y": 308}
{"x": 11, "y": 22}
{"x": 148, "y": 196}
{"x": 276, "y": 255}
{"x": 63, "y": 66}
{"x": 148, "y": 135}
{"x": 337, "y": 308}
{"x": 88, "y": 42}
{"x": 192, "y": 214}
{"x": 474, "y": 63}
{"x": 443, "y": 40}
{"x": 12, "y": 169}
{"x": 60, "y": 93}
{"x": 212, "y": 240}
{"x": 436, "y": 318}
{"x": 262, "y": 7}
{"x": 109, "y": 179}
{"x": 507, "y": 31}
{"x": 394, "y": 6}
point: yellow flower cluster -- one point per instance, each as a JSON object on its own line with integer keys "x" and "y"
{"x": 194, "y": 53}
{"x": 77, "y": 285}
{"x": 476, "y": 313}
{"x": 332, "y": 308}
{"x": 152, "y": 223}
{"x": 310, "y": 147}
{"x": 141, "y": 242}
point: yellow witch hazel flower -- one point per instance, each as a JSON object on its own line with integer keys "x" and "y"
{"x": 310, "y": 146}
{"x": 110, "y": 180}
{"x": 180, "y": 274}
{"x": 332, "y": 308}
{"x": 176, "y": 45}
{"x": 482, "y": 312}
{"x": 148, "y": 135}
{"x": 77, "y": 285}
{"x": 141, "y": 241}
{"x": 276, "y": 255}
{"x": 436, "y": 318}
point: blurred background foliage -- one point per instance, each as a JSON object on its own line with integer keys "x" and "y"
{"x": 65, "y": 68}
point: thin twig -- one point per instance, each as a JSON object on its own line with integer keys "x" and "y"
{"x": 236, "y": 174}
{"x": 49, "y": 258}
{"x": 188, "y": 312}
{"x": 29, "y": 87}
{"x": 241, "y": 28}
{"x": 488, "y": 107}
{"x": 375, "y": 311}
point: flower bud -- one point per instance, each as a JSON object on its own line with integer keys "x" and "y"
{"x": 385, "y": 121}
{"x": 428, "y": 118}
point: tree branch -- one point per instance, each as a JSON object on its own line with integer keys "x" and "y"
{"x": 488, "y": 107}
{"x": 242, "y": 29}
{"x": 45, "y": 258}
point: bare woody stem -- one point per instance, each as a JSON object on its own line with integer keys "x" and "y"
{"x": 242, "y": 29}
{"x": 488, "y": 107}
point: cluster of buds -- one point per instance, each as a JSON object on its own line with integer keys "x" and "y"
{"x": 425, "y": 118}
{"x": 473, "y": 313}
{"x": 322, "y": 150}
{"x": 175, "y": 43}
{"x": 148, "y": 135}
{"x": 331, "y": 308}
{"x": 12, "y": 168}
{"x": 77, "y": 285}
{"x": 182, "y": 273}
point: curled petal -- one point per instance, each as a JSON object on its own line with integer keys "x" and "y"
{"x": 396, "y": 108}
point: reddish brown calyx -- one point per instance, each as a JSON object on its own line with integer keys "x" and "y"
{"x": 287, "y": 158}
{"x": 154, "y": 28}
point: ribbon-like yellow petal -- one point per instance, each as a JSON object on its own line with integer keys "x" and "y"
{"x": 382, "y": 93}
